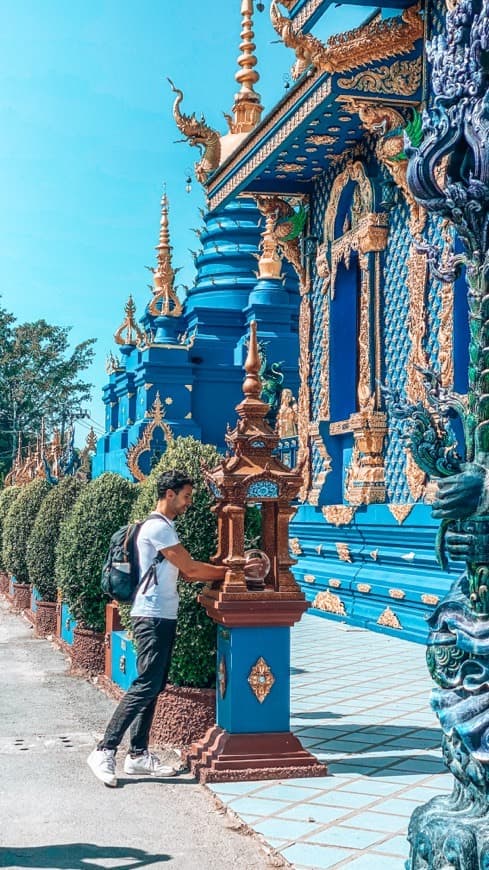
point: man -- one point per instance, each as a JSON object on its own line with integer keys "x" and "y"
{"x": 154, "y": 619}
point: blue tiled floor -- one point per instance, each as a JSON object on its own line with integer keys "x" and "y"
{"x": 381, "y": 743}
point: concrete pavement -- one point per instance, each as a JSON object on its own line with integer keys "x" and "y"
{"x": 55, "y": 815}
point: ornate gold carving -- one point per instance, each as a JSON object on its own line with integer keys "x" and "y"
{"x": 129, "y": 332}
{"x": 320, "y": 139}
{"x": 374, "y": 554}
{"x": 261, "y": 680}
{"x": 369, "y": 234}
{"x": 445, "y": 332}
{"x": 365, "y": 479}
{"x": 155, "y": 421}
{"x": 397, "y": 593}
{"x": 338, "y": 514}
{"x": 309, "y": 578}
{"x": 353, "y": 171}
{"x": 400, "y": 511}
{"x": 329, "y": 603}
{"x": 290, "y": 168}
{"x": 417, "y": 280}
{"x": 295, "y": 547}
{"x": 365, "y": 588}
{"x": 258, "y": 153}
{"x": 343, "y": 551}
{"x": 165, "y": 301}
{"x": 389, "y": 619}
{"x": 402, "y": 77}
{"x": 427, "y": 598}
{"x": 222, "y": 677}
{"x": 287, "y": 415}
{"x": 376, "y": 40}
{"x": 334, "y": 583}
{"x": 113, "y": 365}
{"x": 199, "y": 135}
{"x": 280, "y": 210}
{"x": 304, "y": 403}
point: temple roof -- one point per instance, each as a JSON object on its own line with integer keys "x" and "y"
{"x": 305, "y": 13}
{"x": 378, "y": 62}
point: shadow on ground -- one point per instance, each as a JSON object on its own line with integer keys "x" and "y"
{"x": 78, "y": 856}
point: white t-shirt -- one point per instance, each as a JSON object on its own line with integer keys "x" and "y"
{"x": 160, "y": 601}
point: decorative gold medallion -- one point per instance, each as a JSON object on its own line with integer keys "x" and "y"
{"x": 334, "y": 582}
{"x": 261, "y": 679}
{"x": 397, "y": 593}
{"x": 364, "y": 587}
{"x": 309, "y": 578}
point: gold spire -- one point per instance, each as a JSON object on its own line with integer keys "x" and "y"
{"x": 252, "y": 385}
{"x": 91, "y": 442}
{"x": 129, "y": 332}
{"x": 165, "y": 301}
{"x": 270, "y": 262}
{"x": 247, "y": 107}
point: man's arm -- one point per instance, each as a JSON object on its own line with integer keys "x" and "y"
{"x": 191, "y": 570}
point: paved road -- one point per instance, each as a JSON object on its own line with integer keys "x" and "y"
{"x": 55, "y": 815}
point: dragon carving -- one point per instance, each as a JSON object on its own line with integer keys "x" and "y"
{"x": 200, "y": 135}
{"x": 287, "y": 228}
{"x": 390, "y": 127}
{"x": 376, "y": 40}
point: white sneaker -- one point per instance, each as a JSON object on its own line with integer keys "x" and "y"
{"x": 102, "y": 763}
{"x": 147, "y": 764}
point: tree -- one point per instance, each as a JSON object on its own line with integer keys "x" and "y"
{"x": 7, "y": 498}
{"x": 39, "y": 378}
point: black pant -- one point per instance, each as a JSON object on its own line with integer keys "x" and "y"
{"x": 154, "y": 640}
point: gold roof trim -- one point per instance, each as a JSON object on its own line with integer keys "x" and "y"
{"x": 155, "y": 421}
{"x": 129, "y": 332}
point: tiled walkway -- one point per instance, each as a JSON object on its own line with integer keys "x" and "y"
{"x": 360, "y": 701}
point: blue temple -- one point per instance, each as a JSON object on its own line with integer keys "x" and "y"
{"x": 311, "y": 231}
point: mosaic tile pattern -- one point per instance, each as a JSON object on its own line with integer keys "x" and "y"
{"x": 379, "y": 738}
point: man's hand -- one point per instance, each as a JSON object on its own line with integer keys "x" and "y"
{"x": 459, "y": 496}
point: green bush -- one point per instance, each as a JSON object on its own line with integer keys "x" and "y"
{"x": 7, "y": 498}
{"x": 41, "y": 548}
{"x": 102, "y": 507}
{"x": 18, "y": 526}
{"x": 194, "y": 654}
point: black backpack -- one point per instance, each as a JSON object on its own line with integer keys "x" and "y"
{"x": 120, "y": 573}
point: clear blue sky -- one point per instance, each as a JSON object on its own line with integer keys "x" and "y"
{"x": 88, "y": 141}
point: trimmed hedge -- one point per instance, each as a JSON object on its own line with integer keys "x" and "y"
{"x": 18, "y": 527}
{"x": 41, "y": 548}
{"x": 7, "y": 498}
{"x": 102, "y": 507}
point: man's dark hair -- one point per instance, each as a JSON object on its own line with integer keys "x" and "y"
{"x": 174, "y": 480}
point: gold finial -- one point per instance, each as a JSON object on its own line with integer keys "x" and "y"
{"x": 252, "y": 385}
{"x": 165, "y": 301}
{"x": 247, "y": 107}
{"x": 91, "y": 442}
{"x": 129, "y": 332}
{"x": 270, "y": 262}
